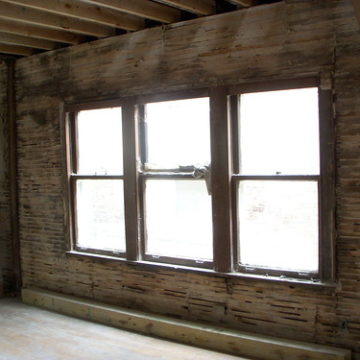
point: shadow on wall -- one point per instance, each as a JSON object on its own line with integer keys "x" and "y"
{"x": 1, "y": 285}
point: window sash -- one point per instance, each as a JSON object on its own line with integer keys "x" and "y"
{"x": 266, "y": 270}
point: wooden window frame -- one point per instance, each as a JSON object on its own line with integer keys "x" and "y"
{"x": 325, "y": 179}
{"x": 224, "y": 150}
{"x": 162, "y": 174}
{"x": 71, "y": 133}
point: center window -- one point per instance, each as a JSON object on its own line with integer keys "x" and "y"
{"x": 175, "y": 173}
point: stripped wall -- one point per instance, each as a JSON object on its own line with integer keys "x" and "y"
{"x": 6, "y": 267}
{"x": 283, "y": 40}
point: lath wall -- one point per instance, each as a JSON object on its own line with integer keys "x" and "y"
{"x": 6, "y": 270}
{"x": 283, "y": 40}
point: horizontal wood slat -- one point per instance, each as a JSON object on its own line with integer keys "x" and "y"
{"x": 206, "y": 336}
{"x": 85, "y": 11}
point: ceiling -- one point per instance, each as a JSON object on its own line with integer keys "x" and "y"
{"x": 30, "y": 27}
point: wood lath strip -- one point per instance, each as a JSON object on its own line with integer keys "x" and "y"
{"x": 14, "y": 39}
{"x": 85, "y": 11}
{"x": 34, "y": 16}
{"x": 39, "y": 32}
{"x": 143, "y": 8}
{"x": 198, "y": 7}
{"x": 15, "y": 50}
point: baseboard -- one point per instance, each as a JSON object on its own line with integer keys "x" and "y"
{"x": 210, "y": 337}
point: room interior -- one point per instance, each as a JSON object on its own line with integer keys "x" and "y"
{"x": 181, "y": 214}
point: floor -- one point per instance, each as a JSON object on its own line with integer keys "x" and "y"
{"x": 30, "y": 333}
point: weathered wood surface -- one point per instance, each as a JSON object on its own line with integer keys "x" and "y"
{"x": 210, "y": 337}
{"x": 283, "y": 40}
{"x": 6, "y": 266}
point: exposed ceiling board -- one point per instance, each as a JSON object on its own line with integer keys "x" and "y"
{"x": 198, "y": 7}
{"x": 13, "y": 39}
{"x": 244, "y": 3}
{"x": 40, "y": 32}
{"x": 144, "y": 8}
{"x": 30, "y": 15}
{"x": 31, "y": 26}
{"x": 85, "y": 11}
{"x": 15, "y": 50}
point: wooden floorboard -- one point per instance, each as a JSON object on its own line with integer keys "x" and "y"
{"x": 29, "y": 333}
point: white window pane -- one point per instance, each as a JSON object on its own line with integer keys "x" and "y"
{"x": 279, "y": 132}
{"x": 178, "y": 219}
{"x": 100, "y": 214}
{"x": 278, "y": 224}
{"x": 178, "y": 133}
{"x": 100, "y": 141}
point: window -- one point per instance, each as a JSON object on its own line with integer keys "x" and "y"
{"x": 234, "y": 179}
{"x": 277, "y": 177}
{"x": 175, "y": 159}
{"x": 97, "y": 180}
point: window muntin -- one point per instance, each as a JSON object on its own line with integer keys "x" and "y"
{"x": 278, "y": 181}
{"x": 176, "y": 202}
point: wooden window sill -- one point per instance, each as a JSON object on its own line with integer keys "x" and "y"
{"x": 228, "y": 275}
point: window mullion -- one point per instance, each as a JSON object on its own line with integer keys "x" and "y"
{"x": 221, "y": 180}
{"x": 131, "y": 179}
{"x": 327, "y": 181}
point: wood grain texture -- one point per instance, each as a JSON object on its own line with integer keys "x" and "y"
{"x": 285, "y": 40}
{"x": 6, "y": 260}
{"x": 209, "y": 337}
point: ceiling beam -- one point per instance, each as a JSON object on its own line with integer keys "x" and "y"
{"x": 143, "y": 8}
{"x": 356, "y": 5}
{"x": 34, "y": 16}
{"x": 13, "y": 39}
{"x": 15, "y": 50}
{"x": 244, "y": 3}
{"x": 86, "y": 11}
{"x": 198, "y": 7}
{"x": 15, "y": 27}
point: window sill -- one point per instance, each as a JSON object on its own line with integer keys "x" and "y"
{"x": 232, "y": 275}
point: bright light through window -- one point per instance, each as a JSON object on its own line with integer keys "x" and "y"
{"x": 178, "y": 211}
{"x": 279, "y": 132}
{"x": 278, "y": 218}
{"x": 178, "y": 133}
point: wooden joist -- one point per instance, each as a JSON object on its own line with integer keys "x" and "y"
{"x": 244, "y": 3}
{"x": 206, "y": 336}
{"x": 143, "y": 8}
{"x": 15, "y": 50}
{"x": 13, "y": 39}
{"x": 34, "y": 16}
{"x": 85, "y": 11}
{"x": 35, "y": 31}
{"x": 198, "y": 7}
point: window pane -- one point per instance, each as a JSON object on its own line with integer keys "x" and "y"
{"x": 178, "y": 219}
{"x": 279, "y": 132}
{"x": 100, "y": 141}
{"x": 178, "y": 133}
{"x": 278, "y": 224}
{"x": 100, "y": 214}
